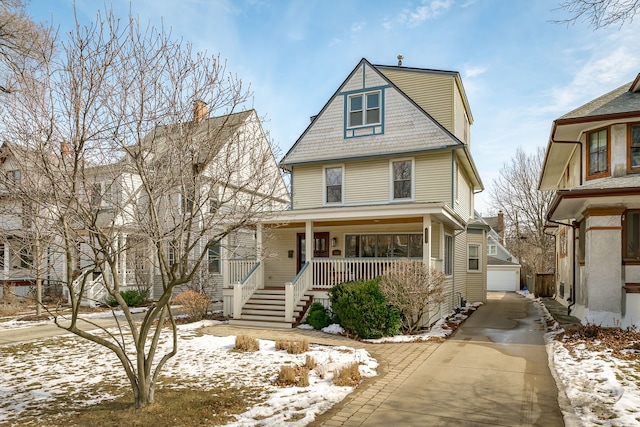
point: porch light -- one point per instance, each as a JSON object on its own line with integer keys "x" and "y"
{"x": 334, "y": 242}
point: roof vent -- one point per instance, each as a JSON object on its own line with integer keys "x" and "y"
{"x": 400, "y": 58}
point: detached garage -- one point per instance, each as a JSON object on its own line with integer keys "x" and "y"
{"x": 502, "y": 275}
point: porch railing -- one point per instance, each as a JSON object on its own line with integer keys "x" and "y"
{"x": 239, "y": 268}
{"x": 243, "y": 290}
{"x": 94, "y": 293}
{"x": 328, "y": 272}
{"x": 295, "y": 290}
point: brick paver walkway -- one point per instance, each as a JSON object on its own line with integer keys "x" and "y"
{"x": 397, "y": 362}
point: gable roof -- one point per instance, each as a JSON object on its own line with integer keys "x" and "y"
{"x": 617, "y": 106}
{"x": 439, "y": 138}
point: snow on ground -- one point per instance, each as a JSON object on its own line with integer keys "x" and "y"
{"x": 84, "y": 373}
{"x": 603, "y": 390}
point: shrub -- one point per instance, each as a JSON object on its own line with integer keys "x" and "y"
{"x": 246, "y": 344}
{"x": 194, "y": 304}
{"x": 348, "y": 375}
{"x": 362, "y": 310}
{"x": 310, "y": 362}
{"x": 289, "y": 376}
{"x": 293, "y": 346}
{"x": 414, "y": 289}
{"x": 132, "y": 297}
{"x": 318, "y": 316}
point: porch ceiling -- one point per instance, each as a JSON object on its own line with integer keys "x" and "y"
{"x": 370, "y": 214}
{"x": 571, "y": 205}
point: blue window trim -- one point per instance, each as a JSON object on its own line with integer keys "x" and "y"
{"x": 377, "y": 129}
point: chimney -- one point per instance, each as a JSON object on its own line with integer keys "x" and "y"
{"x": 500, "y": 226}
{"x": 200, "y": 111}
{"x": 400, "y": 58}
{"x": 65, "y": 149}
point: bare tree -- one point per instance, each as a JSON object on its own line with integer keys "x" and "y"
{"x": 108, "y": 128}
{"x": 22, "y": 42}
{"x": 515, "y": 193}
{"x": 600, "y": 13}
{"x": 415, "y": 290}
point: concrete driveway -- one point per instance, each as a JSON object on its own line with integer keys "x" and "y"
{"x": 492, "y": 372}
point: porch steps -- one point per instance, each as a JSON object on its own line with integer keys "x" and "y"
{"x": 266, "y": 309}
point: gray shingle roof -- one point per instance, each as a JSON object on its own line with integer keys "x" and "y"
{"x": 619, "y": 100}
{"x": 497, "y": 261}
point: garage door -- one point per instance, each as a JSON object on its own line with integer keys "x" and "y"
{"x": 502, "y": 280}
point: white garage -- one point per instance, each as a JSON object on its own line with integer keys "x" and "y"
{"x": 503, "y": 275}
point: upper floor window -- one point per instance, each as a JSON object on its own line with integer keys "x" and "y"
{"x": 333, "y": 184}
{"x": 633, "y": 136}
{"x": 364, "y": 109}
{"x": 474, "y": 258}
{"x": 402, "y": 174}
{"x": 492, "y": 250}
{"x": 598, "y": 153}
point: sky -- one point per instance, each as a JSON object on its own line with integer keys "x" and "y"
{"x": 520, "y": 68}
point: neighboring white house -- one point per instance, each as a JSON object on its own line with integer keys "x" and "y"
{"x": 383, "y": 172}
{"x": 593, "y": 163}
{"x": 114, "y": 193}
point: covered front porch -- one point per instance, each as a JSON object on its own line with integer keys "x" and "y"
{"x": 302, "y": 255}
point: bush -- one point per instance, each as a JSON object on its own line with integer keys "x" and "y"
{"x": 362, "y": 310}
{"x": 289, "y": 376}
{"x": 132, "y": 297}
{"x": 318, "y": 316}
{"x": 194, "y": 304}
{"x": 293, "y": 346}
{"x": 246, "y": 344}
{"x": 348, "y": 376}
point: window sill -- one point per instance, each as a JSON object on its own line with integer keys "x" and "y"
{"x": 599, "y": 175}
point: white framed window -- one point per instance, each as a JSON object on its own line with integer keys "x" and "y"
{"x": 473, "y": 255}
{"x": 402, "y": 179}
{"x": 492, "y": 250}
{"x": 14, "y": 176}
{"x": 213, "y": 259}
{"x": 364, "y": 109}
{"x": 448, "y": 254}
{"x": 333, "y": 185}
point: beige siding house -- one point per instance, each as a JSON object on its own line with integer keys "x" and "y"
{"x": 383, "y": 172}
{"x": 593, "y": 165}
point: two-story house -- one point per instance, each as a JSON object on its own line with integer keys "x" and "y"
{"x": 592, "y": 162}
{"x": 383, "y": 172}
{"x": 238, "y": 183}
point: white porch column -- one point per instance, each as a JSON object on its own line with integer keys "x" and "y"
{"x": 122, "y": 265}
{"x": 308, "y": 240}
{"x": 426, "y": 240}
{"x": 225, "y": 263}
{"x": 259, "y": 257}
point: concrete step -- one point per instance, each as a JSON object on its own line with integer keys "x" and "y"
{"x": 263, "y": 312}
{"x": 260, "y": 324}
{"x": 276, "y": 318}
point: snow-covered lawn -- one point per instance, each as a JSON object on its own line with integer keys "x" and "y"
{"x": 601, "y": 383}
{"x": 79, "y": 373}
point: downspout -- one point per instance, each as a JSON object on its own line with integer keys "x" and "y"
{"x": 573, "y": 262}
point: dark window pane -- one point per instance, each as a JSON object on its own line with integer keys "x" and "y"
{"x": 473, "y": 264}
{"x": 351, "y": 246}
{"x": 415, "y": 245}
{"x": 402, "y": 189}
{"x": 633, "y": 235}
{"x": 385, "y": 245}
{"x": 355, "y": 103}
{"x": 373, "y": 100}
{"x": 373, "y": 116}
{"x": 401, "y": 245}
{"x": 368, "y": 246}
{"x": 355, "y": 118}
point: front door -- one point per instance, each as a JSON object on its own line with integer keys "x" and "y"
{"x": 320, "y": 248}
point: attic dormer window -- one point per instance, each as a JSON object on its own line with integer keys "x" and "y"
{"x": 364, "y": 109}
